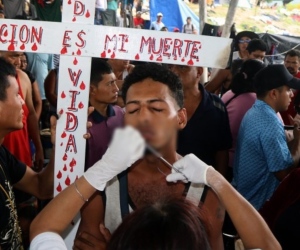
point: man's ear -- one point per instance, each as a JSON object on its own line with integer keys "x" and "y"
{"x": 182, "y": 118}
{"x": 273, "y": 94}
{"x": 92, "y": 89}
{"x": 199, "y": 71}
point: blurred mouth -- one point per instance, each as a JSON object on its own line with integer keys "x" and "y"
{"x": 147, "y": 133}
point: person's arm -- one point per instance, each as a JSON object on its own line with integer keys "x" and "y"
{"x": 294, "y": 147}
{"x": 37, "y": 101}
{"x": 50, "y": 88}
{"x": 221, "y": 161}
{"x": 217, "y": 80}
{"x": 250, "y": 226}
{"x": 32, "y": 121}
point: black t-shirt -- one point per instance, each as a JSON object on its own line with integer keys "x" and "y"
{"x": 11, "y": 172}
{"x": 207, "y": 131}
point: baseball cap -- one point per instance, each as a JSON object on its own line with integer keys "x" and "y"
{"x": 138, "y": 12}
{"x": 275, "y": 76}
{"x": 159, "y": 14}
{"x": 175, "y": 30}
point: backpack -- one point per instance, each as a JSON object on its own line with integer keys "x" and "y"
{"x": 185, "y": 26}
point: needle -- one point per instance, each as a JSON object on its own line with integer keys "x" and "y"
{"x": 153, "y": 151}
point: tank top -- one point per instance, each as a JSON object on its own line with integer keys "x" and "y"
{"x": 17, "y": 142}
{"x": 117, "y": 201}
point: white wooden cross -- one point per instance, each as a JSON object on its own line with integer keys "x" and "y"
{"x": 77, "y": 40}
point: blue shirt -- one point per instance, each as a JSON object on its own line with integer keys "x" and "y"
{"x": 260, "y": 152}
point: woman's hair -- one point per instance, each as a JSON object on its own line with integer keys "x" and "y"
{"x": 242, "y": 82}
{"x": 168, "y": 225}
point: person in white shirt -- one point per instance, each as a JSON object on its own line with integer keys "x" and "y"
{"x": 158, "y": 24}
{"x": 188, "y": 28}
{"x": 101, "y": 6}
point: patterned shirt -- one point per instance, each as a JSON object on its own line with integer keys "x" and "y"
{"x": 261, "y": 151}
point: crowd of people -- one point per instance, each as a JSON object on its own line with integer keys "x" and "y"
{"x": 233, "y": 145}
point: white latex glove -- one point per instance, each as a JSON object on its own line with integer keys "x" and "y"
{"x": 126, "y": 147}
{"x": 192, "y": 167}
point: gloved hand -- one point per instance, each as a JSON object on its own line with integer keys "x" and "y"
{"x": 126, "y": 147}
{"x": 193, "y": 168}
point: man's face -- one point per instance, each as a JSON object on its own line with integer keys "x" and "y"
{"x": 23, "y": 62}
{"x": 159, "y": 18}
{"x": 11, "y": 112}
{"x": 138, "y": 16}
{"x": 13, "y": 58}
{"x": 106, "y": 91}
{"x": 151, "y": 109}
{"x": 292, "y": 64}
{"x": 188, "y": 21}
{"x": 122, "y": 63}
{"x": 189, "y": 75}
{"x": 284, "y": 98}
{"x": 258, "y": 55}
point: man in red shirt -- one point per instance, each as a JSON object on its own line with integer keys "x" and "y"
{"x": 292, "y": 63}
{"x": 138, "y": 20}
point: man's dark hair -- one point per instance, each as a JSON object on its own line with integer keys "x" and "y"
{"x": 292, "y": 53}
{"x": 157, "y": 73}
{"x": 98, "y": 69}
{"x": 175, "y": 224}
{"x": 256, "y": 44}
{"x": 6, "y": 69}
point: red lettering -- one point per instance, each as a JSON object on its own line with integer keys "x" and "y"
{"x": 166, "y": 47}
{"x": 3, "y": 26}
{"x": 24, "y": 32}
{"x": 187, "y": 49}
{"x": 195, "y": 49}
{"x": 79, "y": 8}
{"x": 74, "y": 94}
{"x": 108, "y": 39}
{"x": 71, "y": 143}
{"x": 74, "y": 76}
{"x": 124, "y": 40}
{"x": 146, "y": 42}
{"x": 71, "y": 122}
{"x": 13, "y": 34}
{"x": 36, "y": 35}
{"x": 160, "y": 46}
{"x": 79, "y": 35}
{"x": 67, "y": 38}
{"x": 177, "y": 47}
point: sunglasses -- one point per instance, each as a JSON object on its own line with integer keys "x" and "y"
{"x": 245, "y": 41}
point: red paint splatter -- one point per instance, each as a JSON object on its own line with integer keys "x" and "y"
{"x": 63, "y": 135}
{"x": 61, "y": 144}
{"x": 137, "y": 57}
{"x": 126, "y": 40}
{"x": 159, "y": 59}
{"x": 59, "y": 175}
{"x": 61, "y": 112}
{"x": 71, "y": 170}
{"x": 197, "y": 60}
{"x": 73, "y": 163}
{"x": 113, "y": 55}
{"x": 69, "y": 2}
{"x": 190, "y": 62}
{"x": 58, "y": 189}
{"x": 22, "y": 46}
{"x": 5, "y": 33}
{"x": 76, "y": 177}
{"x": 80, "y": 105}
{"x": 65, "y": 157}
{"x": 34, "y": 47}
{"x": 87, "y": 15}
{"x": 68, "y": 181}
{"x": 74, "y": 19}
{"x": 109, "y": 51}
{"x": 82, "y": 86}
{"x": 65, "y": 168}
{"x": 175, "y": 57}
{"x": 182, "y": 59}
{"x": 78, "y": 52}
{"x": 73, "y": 53}
{"x": 151, "y": 57}
{"x": 63, "y": 95}
{"x": 103, "y": 54}
{"x": 11, "y": 47}
{"x": 64, "y": 51}
{"x": 75, "y": 61}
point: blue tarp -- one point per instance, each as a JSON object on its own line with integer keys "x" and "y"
{"x": 175, "y": 13}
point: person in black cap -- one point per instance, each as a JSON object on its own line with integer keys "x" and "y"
{"x": 263, "y": 157}
{"x": 241, "y": 42}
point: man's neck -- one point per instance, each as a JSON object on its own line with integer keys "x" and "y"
{"x": 100, "y": 107}
{"x": 191, "y": 91}
{"x": 271, "y": 104}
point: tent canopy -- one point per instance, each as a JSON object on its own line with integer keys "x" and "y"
{"x": 174, "y": 12}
